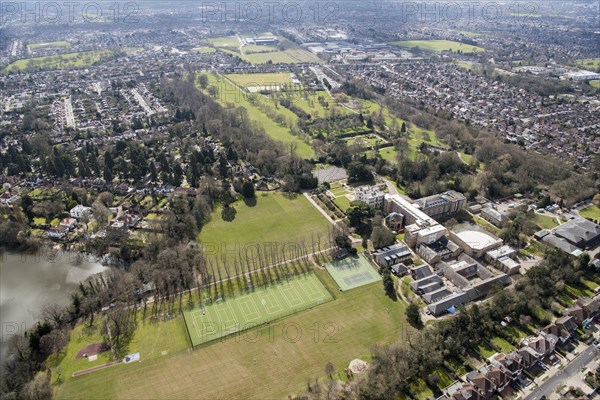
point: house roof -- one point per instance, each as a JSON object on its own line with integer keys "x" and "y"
{"x": 578, "y": 230}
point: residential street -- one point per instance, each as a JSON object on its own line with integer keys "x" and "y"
{"x": 560, "y": 378}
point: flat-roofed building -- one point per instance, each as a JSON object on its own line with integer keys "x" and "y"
{"x": 443, "y": 204}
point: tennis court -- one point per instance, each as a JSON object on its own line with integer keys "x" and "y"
{"x": 222, "y": 318}
{"x": 352, "y": 272}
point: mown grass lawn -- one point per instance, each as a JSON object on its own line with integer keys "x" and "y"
{"x": 342, "y": 202}
{"x": 591, "y": 212}
{"x": 60, "y": 61}
{"x": 263, "y": 362}
{"x": 275, "y": 218}
{"x": 544, "y": 221}
{"x": 439, "y": 45}
{"x": 245, "y": 80}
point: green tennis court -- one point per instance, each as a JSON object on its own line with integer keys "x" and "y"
{"x": 352, "y": 272}
{"x": 222, "y": 318}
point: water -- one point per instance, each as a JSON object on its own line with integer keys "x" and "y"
{"x": 28, "y": 283}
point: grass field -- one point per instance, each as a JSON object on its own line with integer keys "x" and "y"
{"x": 204, "y": 50}
{"x": 592, "y": 64}
{"x": 591, "y": 212}
{"x": 61, "y": 61}
{"x": 288, "y": 56}
{"x": 352, "y": 272}
{"x": 274, "y": 219}
{"x": 246, "y": 80}
{"x": 595, "y": 84}
{"x": 49, "y": 45}
{"x": 228, "y": 41}
{"x": 439, "y": 45}
{"x": 263, "y": 363}
{"x": 258, "y": 307}
{"x": 342, "y": 202}
{"x": 231, "y": 94}
{"x": 544, "y": 221}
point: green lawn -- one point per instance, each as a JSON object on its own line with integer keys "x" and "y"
{"x": 339, "y": 191}
{"x": 544, "y": 221}
{"x": 229, "y": 41}
{"x": 289, "y": 56}
{"x": 591, "y": 212}
{"x": 245, "y": 80}
{"x": 274, "y": 219}
{"x": 60, "y": 61}
{"x": 595, "y": 83}
{"x": 204, "y": 50}
{"x": 270, "y": 361}
{"x": 342, "y": 202}
{"x": 439, "y": 45}
{"x": 152, "y": 339}
{"x": 502, "y": 344}
{"x": 365, "y": 141}
{"x": 229, "y": 94}
{"x": 592, "y": 64}
{"x": 49, "y": 45}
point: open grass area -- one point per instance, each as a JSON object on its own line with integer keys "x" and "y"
{"x": 591, "y": 64}
{"x": 365, "y": 141}
{"x": 204, "y": 50}
{"x": 439, "y": 45}
{"x": 60, "y": 61}
{"x": 230, "y": 94}
{"x": 342, "y": 202}
{"x": 272, "y": 79}
{"x": 49, "y": 45}
{"x": 595, "y": 84}
{"x": 152, "y": 339}
{"x": 222, "y": 318}
{"x": 263, "y": 363}
{"x": 591, "y": 212}
{"x": 228, "y": 41}
{"x": 288, "y": 56}
{"x": 544, "y": 221}
{"x": 275, "y": 218}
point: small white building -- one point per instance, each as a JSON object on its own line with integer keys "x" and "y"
{"x": 80, "y": 211}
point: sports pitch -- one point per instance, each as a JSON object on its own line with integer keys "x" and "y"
{"x": 352, "y": 272}
{"x": 263, "y": 305}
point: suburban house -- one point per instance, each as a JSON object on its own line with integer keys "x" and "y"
{"x": 70, "y": 223}
{"x": 80, "y": 211}
{"x": 563, "y": 328}
{"x": 58, "y": 232}
{"x": 7, "y": 199}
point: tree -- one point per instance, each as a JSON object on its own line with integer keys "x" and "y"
{"x": 329, "y": 370}
{"x": 118, "y": 329}
{"x": 413, "y": 316}
{"x": 248, "y": 190}
{"x": 358, "y": 172}
{"x": 382, "y": 236}
{"x": 388, "y": 284}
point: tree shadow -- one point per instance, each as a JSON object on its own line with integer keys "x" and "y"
{"x": 228, "y": 213}
{"x": 250, "y": 201}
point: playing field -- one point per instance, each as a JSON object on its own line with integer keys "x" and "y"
{"x": 352, "y": 272}
{"x": 48, "y": 45}
{"x": 61, "y": 61}
{"x": 591, "y": 64}
{"x": 273, "y": 219}
{"x": 246, "y": 80}
{"x": 439, "y": 45}
{"x": 258, "y": 307}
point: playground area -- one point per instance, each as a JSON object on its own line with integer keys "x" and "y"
{"x": 224, "y": 317}
{"x": 352, "y": 272}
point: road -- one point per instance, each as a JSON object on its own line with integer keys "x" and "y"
{"x": 574, "y": 367}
